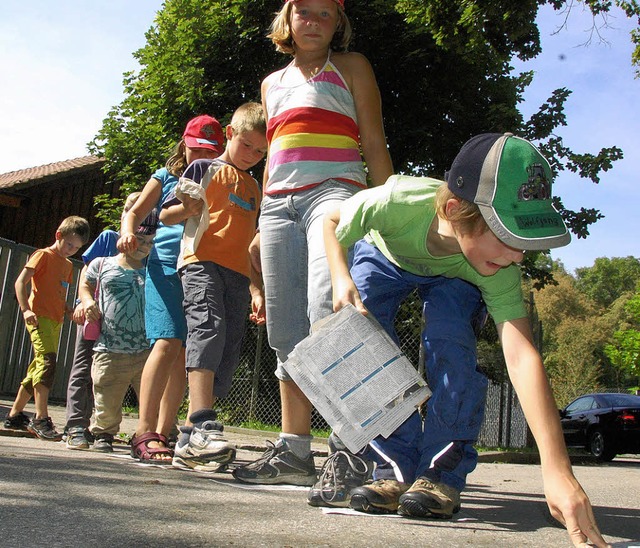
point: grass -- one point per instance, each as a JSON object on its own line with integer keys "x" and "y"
{"x": 257, "y": 425}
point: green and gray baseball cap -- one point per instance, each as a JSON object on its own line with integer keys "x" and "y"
{"x": 510, "y": 181}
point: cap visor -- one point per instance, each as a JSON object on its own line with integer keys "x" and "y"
{"x": 531, "y": 228}
{"x": 193, "y": 142}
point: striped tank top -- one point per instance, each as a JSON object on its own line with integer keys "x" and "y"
{"x": 313, "y": 133}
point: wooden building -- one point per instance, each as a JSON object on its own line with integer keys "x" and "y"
{"x": 34, "y": 201}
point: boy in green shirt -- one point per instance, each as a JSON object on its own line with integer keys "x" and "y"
{"x": 458, "y": 243}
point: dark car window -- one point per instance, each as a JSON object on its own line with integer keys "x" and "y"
{"x": 581, "y": 404}
{"x": 621, "y": 400}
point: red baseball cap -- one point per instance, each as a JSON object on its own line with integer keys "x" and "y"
{"x": 204, "y": 132}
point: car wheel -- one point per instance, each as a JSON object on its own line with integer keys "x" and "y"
{"x": 600, "y": 446}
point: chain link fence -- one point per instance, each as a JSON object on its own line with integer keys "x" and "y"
{"x": 254, "y": 399}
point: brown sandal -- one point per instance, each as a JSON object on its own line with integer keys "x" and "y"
{"x": 140, "y": 448}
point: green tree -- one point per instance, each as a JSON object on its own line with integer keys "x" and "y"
{"x": 443, "y": 69}
{"x": 624, "y": 351}
{"x": 608, "y": 279}
{"x": 575, "y": 331}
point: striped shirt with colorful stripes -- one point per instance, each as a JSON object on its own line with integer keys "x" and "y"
{"x": 313, "y": 133}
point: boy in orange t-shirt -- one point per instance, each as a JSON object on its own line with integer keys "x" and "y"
{"x": 49, "y": 272}
{"x": 216, "y": 273}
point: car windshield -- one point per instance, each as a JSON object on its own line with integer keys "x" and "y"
{"x": 622, "y": 400}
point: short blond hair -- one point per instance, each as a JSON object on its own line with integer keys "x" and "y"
{"x": 249, "y": 117}
{"x": 467, "y": 217}
{"x": 75, "y": 225}
{"x": 280, "y": 31}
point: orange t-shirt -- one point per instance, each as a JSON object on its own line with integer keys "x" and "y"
{"x": 234, "y": 198}
{"x": 52, "y": 277}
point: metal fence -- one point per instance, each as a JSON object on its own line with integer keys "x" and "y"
{"x": 254, "y": 398}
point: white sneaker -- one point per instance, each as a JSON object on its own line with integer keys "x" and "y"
{"x": 207, "y": 449}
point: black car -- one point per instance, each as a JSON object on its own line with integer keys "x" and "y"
{"x": 604, "y": 424}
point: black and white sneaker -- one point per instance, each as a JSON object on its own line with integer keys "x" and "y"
{"x": 341, "y": 472}
{"x": 19, "y": 421}
{"x": 205, "y": 449}
{"x": 278, "y": 465}
{"x": 44, "y": 429}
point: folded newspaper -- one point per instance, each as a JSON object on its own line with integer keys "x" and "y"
{"x": 356, "y": 377}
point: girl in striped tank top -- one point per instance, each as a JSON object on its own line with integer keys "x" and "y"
{"x": 323, "y": 116}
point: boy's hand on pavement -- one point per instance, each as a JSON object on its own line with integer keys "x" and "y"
{"x": 570, "y": 505}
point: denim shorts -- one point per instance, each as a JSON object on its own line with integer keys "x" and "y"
{"x": 294, "y": 263}
{"x": 163, "y": 314}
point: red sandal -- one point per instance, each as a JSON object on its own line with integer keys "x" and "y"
{"x": 140, "y": 448}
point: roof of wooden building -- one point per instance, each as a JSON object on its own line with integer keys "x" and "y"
{"x": 32, "y": 176}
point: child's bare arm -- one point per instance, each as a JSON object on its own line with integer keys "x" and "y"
{"x": 189, "y": 207}
{"x": 566, "y": 499}
{"x": 344, "y": 289}
{"x": 22, "y": 294}
{"x": 258, "y": 310}
{"x": 369, "y": 111}
{"x": 86, "y": 291}
{"x": 78, "y": 313}
{"x": 144, "y": 204}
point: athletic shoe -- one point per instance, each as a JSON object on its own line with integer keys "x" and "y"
{"x": 207, "y": 450}
{"x": 278, "y": 465}
{"x": 19, "y": 421}
{"x": 380, "y": 497}
{"x": 103, "y": 443}
{"x": 341, "y": 472}
{"x": 427, "y": 499}
{"x": 76, "y": 438}
{"x": 44, "y": 429}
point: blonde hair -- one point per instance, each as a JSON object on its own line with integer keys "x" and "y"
{"x": 249, "y": 117}
{"x": 75, "y": 225}
{"x": 467, "y": 218}
{"x": 177, "y": 162}
{"x": 280, "y": 31}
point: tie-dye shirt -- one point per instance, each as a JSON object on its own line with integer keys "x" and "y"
{"x": 121, "y": 303}
{"x": 313, "y": 133}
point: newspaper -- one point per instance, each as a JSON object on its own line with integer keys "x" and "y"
{"x": 356, "y": 377}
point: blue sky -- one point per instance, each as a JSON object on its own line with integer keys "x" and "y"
{"x": 62, "y": 63}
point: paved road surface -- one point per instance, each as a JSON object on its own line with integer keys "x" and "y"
{"x": 53, "y": 497}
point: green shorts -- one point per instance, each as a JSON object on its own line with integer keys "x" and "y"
{"x": 45, "y": 339}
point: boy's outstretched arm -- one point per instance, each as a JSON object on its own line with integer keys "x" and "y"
{"x": 344, "y": 290}
{"x": 565, "y": 497}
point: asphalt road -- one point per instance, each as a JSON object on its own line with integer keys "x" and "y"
{"x": 53, "y": 497}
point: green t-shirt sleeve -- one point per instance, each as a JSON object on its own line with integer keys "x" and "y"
{"x": 362, "y": 213}
{"x": 502, "y": 294}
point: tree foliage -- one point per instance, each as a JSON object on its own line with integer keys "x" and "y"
{"x": 443, "y": 69}
{"x": 624, "y": 351}
{"x": 608, "y": 279}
